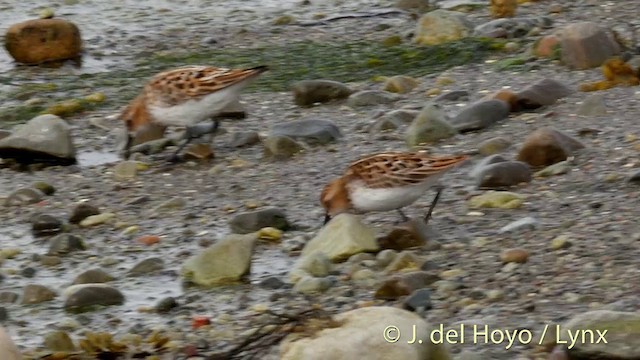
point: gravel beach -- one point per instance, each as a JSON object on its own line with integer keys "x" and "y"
{"x": 580, "y": 234}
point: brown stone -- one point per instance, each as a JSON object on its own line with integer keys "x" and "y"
{"x": 504, "y": 174}
{"x": 412, "y": 233}
{"x": 507, "y": 96}
{"x": 514, "y": 255}
{"x": 401, "y": 285}
{"x": 199, "y": 152}
{"x": 43, "y": 40}
{"x": 547, "y": 146}
{"x": 546, "y": 46}
{"x": 586, "y": 45}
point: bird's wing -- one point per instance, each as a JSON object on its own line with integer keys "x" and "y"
{"x": 401, "y": 168}
{"x": 191, "y": 82}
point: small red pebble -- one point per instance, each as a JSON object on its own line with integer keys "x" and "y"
{"x": 190, "y": 350}
{"x": 199, "y": 321}
{"x": 149, "y": 239}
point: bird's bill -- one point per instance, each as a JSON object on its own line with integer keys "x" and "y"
{"x": 327, "y": 217}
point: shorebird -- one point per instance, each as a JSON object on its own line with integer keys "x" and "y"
{"x": 185, "y": 97}
{"x": 387, "y": 181}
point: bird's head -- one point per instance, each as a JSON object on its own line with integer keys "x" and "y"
{"x": 139, "y": 125}
{"x": 335, "y": 198}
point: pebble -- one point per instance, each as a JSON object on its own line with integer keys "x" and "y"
{"x": 44, "y": 187}
{"x": 281, "y": 147}
{"x": 148, "y": 239}
{"x": 405, "y": 260}
{"x": 309, "y": 92}
{"x": 514, "y": 255}
{"x": 244, "y": 138}
{"x": 249, "y": 222}
{"x": 99, "y": 219}
{"x": 66, "y": 243}
{"x": 560, "y": 242}
{"x": 547, "y": 146}
{"x": 496, "y": 199}
{"x": 528, "y": 222}
{"x": 430, "y": 125}
{"x": 634, "y": 178}
{"x": 311, "y": 131}
{"x": 560, "y": 168}
{"x": 175, "y": 203}
{"x": 270, "y": 234}
{"x": 454, "y": 95}
{"x": 495, "y": 295}
{"x": 371, "y": 98}
{"x": 400, "y": 84}
{"x": 310, "y": 285}
{"x": 35, "y": 294}
{"x": 84, "y": 296}
{"x": 503, "y": 174}
{"x": 419, "y": 300}
{"x": 272, "y": 283}
{"x": 93, "y": 276}
{"x": 147, "y": 266}
{"x": 82, "y": 211}
{"x": 24, "y": 196}
{"x": 44, "y": 225}
{"x": 166, "y": 305}
{"x": 124, "y": 170}
{"x": 484, "y": 163}
{"x": 593, "y": 105}
{"x": 493, "y": 146}
{"x": 385, "y": 257}
{"x": 403, "y": 284}
{"x": 59, "y": 341}
{"x": 480, "y": 115}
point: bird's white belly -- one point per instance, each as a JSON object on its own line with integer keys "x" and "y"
{"x": 366, "y": 199}
{"x": 193, "y": 111}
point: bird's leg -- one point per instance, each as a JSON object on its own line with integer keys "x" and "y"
{"x": 127, "y": 147}
{"x": 404, "y": 217}
{"x": 215, "y": 125}
{"x": 439, "y": 189}
{"x": 193, "y": 132}
{"x": 189, "y": 135}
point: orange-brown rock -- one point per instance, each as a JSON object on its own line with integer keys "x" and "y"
{"x": 43, "y": 40}
{"x": 410, "y": 234}
{"x": 507, "y": 96}
{"x": 514, "y": 255}
{"x": 503, "y": 8}
{"x": 585, "y": 45}
{"x": 546, "y": 46}
{"x": 148, "y": 239}
{"x": 547, "y": 146}
{"x": 397, "y": 286}
{"x": 199, "y": 152}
